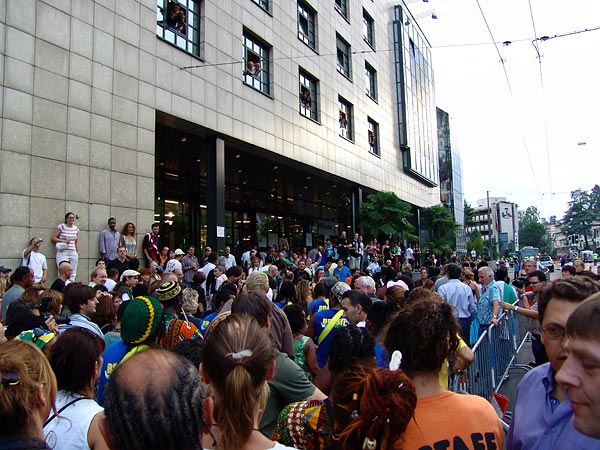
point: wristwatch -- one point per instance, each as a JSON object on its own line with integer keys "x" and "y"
{"x": 516, "y": 309}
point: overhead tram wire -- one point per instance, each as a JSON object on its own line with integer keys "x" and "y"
{"x": 536, "y": 45}
{"x": 357, "y": 52}
{"x": 511, "y": 96}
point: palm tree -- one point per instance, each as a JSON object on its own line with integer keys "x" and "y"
{"x": 385, "y": 215}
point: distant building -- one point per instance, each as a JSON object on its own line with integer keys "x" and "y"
{"x": 451, "y": 185}
{"x": 500, "y": 220}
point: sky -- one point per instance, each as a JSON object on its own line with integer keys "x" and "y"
{"x": 520, "y": 142}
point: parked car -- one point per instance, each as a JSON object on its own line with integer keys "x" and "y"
{"x": 546, "y": 262}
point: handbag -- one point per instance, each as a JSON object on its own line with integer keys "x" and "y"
{"x": 60, "y": 245}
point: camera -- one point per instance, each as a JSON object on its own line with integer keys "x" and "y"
{"x": 43, "y": 308}
{"x": 520, "y": 283}
{"x": 40, "y": 240}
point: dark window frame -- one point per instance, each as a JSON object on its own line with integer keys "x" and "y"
{"x": 373, "y": 137}
{"x": 370, "y": 81}
{"x": 308, "y": 82}
{"x": 181, "y": 28}
{"x": 342, "y": 7}
{"x": 307, "y": 15}
{"x": 346, "y": 119}
{"x": 368, "y": 29}
{"x": 263, "y": 4}
{"x": 259, "y": 52}
{"x": 344, "y": 50}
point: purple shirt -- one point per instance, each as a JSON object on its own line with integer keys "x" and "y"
{"x": 539, "y": 421}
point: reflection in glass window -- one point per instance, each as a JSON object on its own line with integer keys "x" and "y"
{"x": 368, "y": 29}
{"x": 178, "y": 22}
{"x": 342, "y": 7}
{"x": 256, "y": 63}
{"x": 370, "y": 81}
{"x": 343, "y": 57}
{"x": 346, "y": 125}
{"x": 308, "y": 95}
{"x": 306, "y": 24}
{"x": 373, "y": 136}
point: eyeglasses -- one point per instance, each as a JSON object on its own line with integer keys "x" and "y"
{"x": 554, "y": 333}
{"x": 10, "y": 379}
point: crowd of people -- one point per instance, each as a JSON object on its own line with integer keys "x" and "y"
{"x": 336, "y": 347}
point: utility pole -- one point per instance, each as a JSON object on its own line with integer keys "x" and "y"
{"x": 489, "y": 224}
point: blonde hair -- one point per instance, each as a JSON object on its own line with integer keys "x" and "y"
{"x": 18, "y": 401}
{"x": 190, "y": 301}
{"x": 237, "y": 357}
{"x": 468, "y": 274}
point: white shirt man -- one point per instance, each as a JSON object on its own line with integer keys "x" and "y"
{"x": 229, "y": 258}
{"x": 175, "y": 263}
{"x": 35, "y": 260}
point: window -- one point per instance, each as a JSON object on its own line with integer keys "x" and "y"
{"x": 346, "y": 124}
{"x": 370, "y": 81}
{"x": 373, "y": 136}
{"x": 368, "y": 29}
{"x": 306, "y": 25}
{"x": 178, "y": 22}
{"x": 308, "y": 95}
{"x": 264, "y": 4}
{"x": 343, "y": 57}
{"x": 256, "y": 63}
{"x": 342, "y": 7}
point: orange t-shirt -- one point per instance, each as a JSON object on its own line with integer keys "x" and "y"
{"x": 453, "y": 421}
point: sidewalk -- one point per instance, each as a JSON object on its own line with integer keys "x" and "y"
{"x": 509, "y": 386}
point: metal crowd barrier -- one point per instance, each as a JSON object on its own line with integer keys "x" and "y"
{"x": 496, "y": 353}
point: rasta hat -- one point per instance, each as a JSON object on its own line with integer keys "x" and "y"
{"x": 141, "y": 319}
{"x": 168, "y": 290}
{"x": 38, "y": 336}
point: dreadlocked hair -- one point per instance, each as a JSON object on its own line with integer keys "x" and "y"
{"x": 371, "y": 403}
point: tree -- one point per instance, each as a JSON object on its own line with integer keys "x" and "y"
{"x": 385, "y": 215}
{"x": 469, "y": 215}
{"x": 440, "y": 222}
{"x": 531, "y": 230}
{"x": 475, "y": 242}
{"x": 583, "y": 210}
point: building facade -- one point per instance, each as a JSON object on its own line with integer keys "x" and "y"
{"x": 238, "y": 122}
{"x": 498, "y": 219}
{"x": 451, "y": 184}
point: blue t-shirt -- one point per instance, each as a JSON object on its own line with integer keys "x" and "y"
{"x": 342, "y": 273}
{"x": 321, "y": 319}
{"x": 318, "y": 304}
{"x": 112, "y": 356}
{"x": 206, "y": 322}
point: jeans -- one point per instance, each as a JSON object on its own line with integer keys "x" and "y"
{"x": 465, "y": 329}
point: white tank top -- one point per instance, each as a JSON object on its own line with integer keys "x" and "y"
{"x": 69, "y": 430}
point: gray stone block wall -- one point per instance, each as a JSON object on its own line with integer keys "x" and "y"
{"x": 81, "y": 81}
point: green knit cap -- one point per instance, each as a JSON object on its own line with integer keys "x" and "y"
{"x": 141, "y": 319}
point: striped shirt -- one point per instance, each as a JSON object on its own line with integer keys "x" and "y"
{"x": 69, "y": 233}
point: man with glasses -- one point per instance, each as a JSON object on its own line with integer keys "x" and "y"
{"x": 542, "y": 414}
{"x": 579, "y": 374}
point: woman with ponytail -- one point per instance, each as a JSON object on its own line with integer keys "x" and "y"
{"x": 238, "y": 360}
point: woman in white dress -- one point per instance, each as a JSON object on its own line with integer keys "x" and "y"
{"x": 66, "y": 243}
